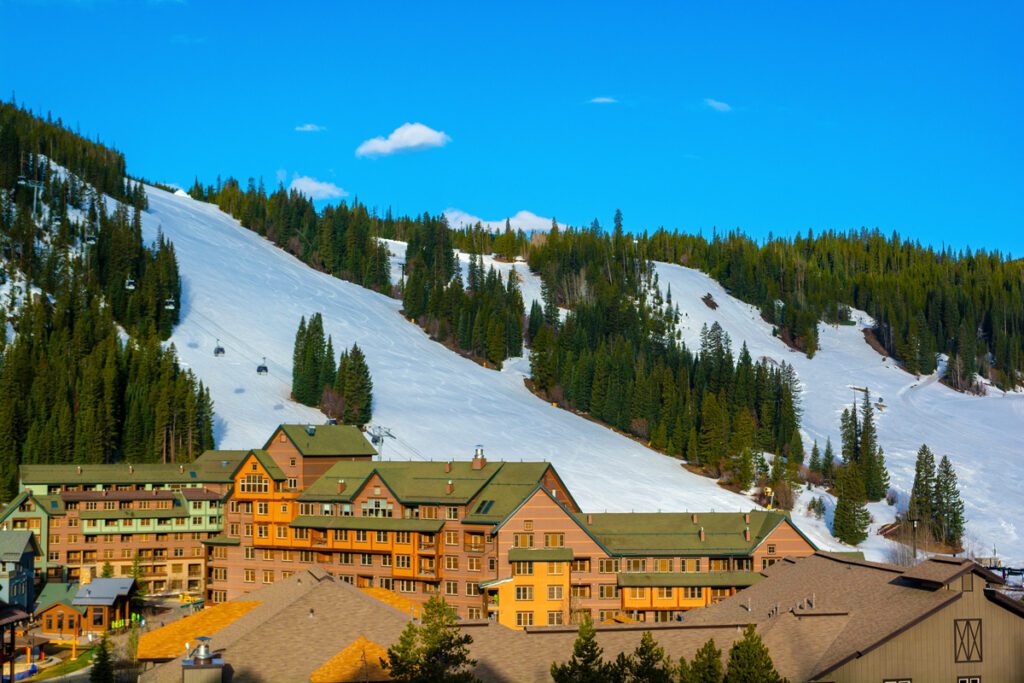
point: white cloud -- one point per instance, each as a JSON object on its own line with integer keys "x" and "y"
{"x": 408, "y": 136}
{"x": 316, "y": 189}
{"x": 527, "y": 220}
{"x": 310, "y": 128}
{"x": 604, "y": 100}
{"x": 717, "y": 105}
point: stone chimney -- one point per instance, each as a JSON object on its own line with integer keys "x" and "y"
{"x": 478, "y": 458}
{"x": 450, "y": 488}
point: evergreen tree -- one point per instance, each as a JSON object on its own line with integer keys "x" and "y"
{"x": 358, "y": 389}
{"x": 586, "y": 664}
{"x": 922, "y": 493}
{"x": 948, "y": 521}
{"x": 108, "y": 571}
{"x": 851, "y": 520}
{"x": 868, "y": 443}
{"x": 102, "y": 670}
{"x": 828, "y": 461}
{"x": 749, "y": 660}
{"x": 649, "y": 663}
{"x": 743, "y": 475}
{"x": 815, "y": 464}
{"x": 434, "y": 651}
{"x": 706, "y": 666}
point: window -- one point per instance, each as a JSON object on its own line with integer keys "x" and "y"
{"x": 262, "y": 531}
{"x": 247, "y": 530}
{"x": 967, "y": 582}
{"x": 428, "y": 512}
{"x": 472, "y": 588}
{"x": 907, "y": 680}
{"x": 341, "y": 534}
{"x": 451, "y": 562}
{"x": 580, "y": 590}
{"x": 293, "y": 484}
{"x": 306, "y": 556}
{"x": 382, "y": 537}
{"x": 959, "y": 679}
{"x": 555, "y": 568}
{"x": 451, "y": 587}
{"x": 554, "y": 540}
{"x": 291, "y": 461}
{"x": 581, "y": 565}
{"x": 473, "y": 564}
{"x": 451, "y": 538}
{"x": 405, "y": 586}
{"x": 522, "y": 568}
{"x": 344, "y": 558}
{"x": 377, "y": 507}
{"x": 254, "y": 483}
{"x": 527, "y": 525}
{"x": 636, "y": 565}
{"x": 474, "y": 613}
{"x": 366, "y": 560}
{"x": 637, "y": 593}
{"x": 556, "y": 618}
{"x": 693, "y": 592}
{"x": 250, "y": 553}
{"x": 522, "y": 541}
{"x": 665, "y": 593}
{"x": 360, "y": 536}
{"x": 403, "y": 561}
{"x": 663, "y": 564}
{"x": 249, "y": 576}
{"x": 403, "y": 537}
{"x": 268, "y": 576}
{"x": 767, "y": 562}
{"x": 771, "y": 549}
{"x": 261, "y": 508}
{"x": 268, "y": 555}
{"x": 524, "y": 619}
{"x": 608, "y": 591}
{"x": 967, "y": 640}
{"x": 281, "y": 531}
{"x": 451, "y": 513}
{"x": 608, "y": 566}
{"x": 554, "y": 592}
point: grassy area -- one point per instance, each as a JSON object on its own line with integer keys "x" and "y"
{"x": 69, "y": 665}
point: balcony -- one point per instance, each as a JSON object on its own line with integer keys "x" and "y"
{"x": 427, "y": 547}
{"x": 473, "y": 547}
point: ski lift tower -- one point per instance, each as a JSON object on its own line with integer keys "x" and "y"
{"x": 377, "y": 435}
{"x": 36, "y": 186}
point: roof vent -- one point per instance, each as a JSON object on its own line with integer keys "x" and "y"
{"x": 311, "y": 430}
{"x": 223, "y": 463}
{"x": 450, "y": 488}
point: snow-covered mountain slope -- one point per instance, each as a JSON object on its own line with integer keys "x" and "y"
{"x": 241, "y": 289}
{"x": 983, "y": 436}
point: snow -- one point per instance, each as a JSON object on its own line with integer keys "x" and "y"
{"x": 983, "y": 435}
{"x": 239, "y": 288}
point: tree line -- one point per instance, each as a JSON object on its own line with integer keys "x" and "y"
{"x": 340, "y": 240}
{"x": 925, "y": 301}
{"x": 343, "y": 390}
{"x": 73, "y": 386}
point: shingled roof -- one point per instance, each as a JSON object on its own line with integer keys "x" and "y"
{"x": 15, "y": 543}
{"x": 211, "y": 466}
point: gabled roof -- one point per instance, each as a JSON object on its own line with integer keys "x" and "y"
{"x": 326, "y": 440}
{"x": 55, "y": 592}
{"x": 939, "y": 570}
{"x": 678, "y": 533}
{"x": 211, "y": 466}
{"x": 275, "y": 472}
{"x": 15, "y": 543}
{"x": 103, "y": 591}
{"x": 166, "y": 642}
{"x": 10, "y": 614}
{"x": 427, "y": 483}
{"x": 359, "y": 661}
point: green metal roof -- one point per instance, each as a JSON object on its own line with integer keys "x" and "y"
{"x": 679, "y": 579}
{"x": 676, "y": 533}
{"x": 269, "y": 465}
{"x": 54, "y": 592}
{"x": 505, "y": 484}
{"x": 327, "y": 440}
{"x": 211, "y": 466}
{"x": 369, "y": 523}
{"x": 222, "y": 540}
{"x": 540, "y": 555}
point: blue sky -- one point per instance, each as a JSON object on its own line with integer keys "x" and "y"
{"x": 762, "y": 116}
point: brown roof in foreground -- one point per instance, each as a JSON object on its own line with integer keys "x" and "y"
{"x": 813, "y": 614}
{"x": 360, "y": 661}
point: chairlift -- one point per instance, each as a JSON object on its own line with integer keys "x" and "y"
{"x": 90, "y": 239}
{"x": 218, "y": 350}
{"x": 262, "y": 369}
{"x": 129, "y": 285}
{"x": 169, "y": 305}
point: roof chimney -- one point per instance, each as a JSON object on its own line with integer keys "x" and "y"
{"x": 181, "y": 469}
{"x": 478, "y": 458}
{"x": 701, "y": 533}
{"x": 746, "y": 518}
{"x": 448, "y": 466}
{"x": 590, "y": 518}
{"x": 311, "y": 430}
{"x": 341, "y": 486}
{"x": 450, "y": 488}
{"x": 131, "y": 469}
{"x": 78, "y": 469}
{"x": 694, "y": 517}
{"x": 746, "y": 533}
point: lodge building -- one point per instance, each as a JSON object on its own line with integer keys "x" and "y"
{"x": 504, "y": 541}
